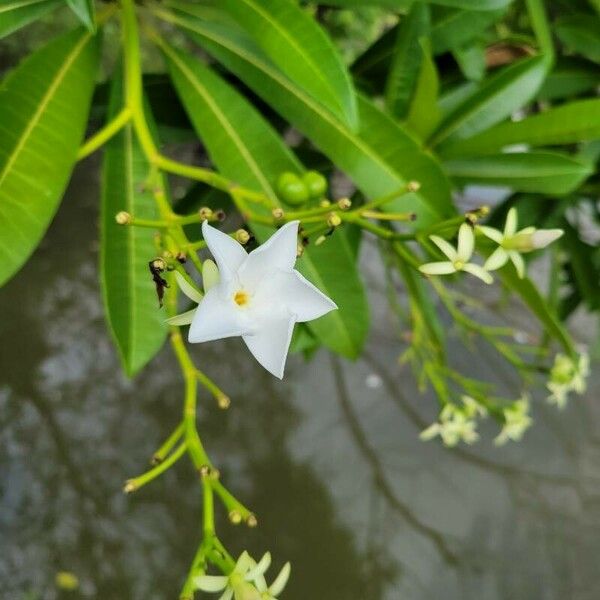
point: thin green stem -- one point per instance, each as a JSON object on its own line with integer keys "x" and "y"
{"x": 105, "y": 133}
{"x": 136, "y": 483}
{"x": 168, "y": 445}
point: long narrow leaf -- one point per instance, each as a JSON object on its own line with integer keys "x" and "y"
{"x": 15, "y": 14}
{"x": 44, "y": 105}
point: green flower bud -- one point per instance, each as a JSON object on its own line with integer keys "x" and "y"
{"x": 292, "y": 189}
{"x": 316, "y": 184}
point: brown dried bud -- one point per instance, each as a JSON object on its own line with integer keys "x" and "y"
{"x": 344, "y": 203}
{"x": 159, "y": 264}
{"x": 205, "y": 213}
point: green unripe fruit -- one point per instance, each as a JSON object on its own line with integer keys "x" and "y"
{"x": 292, "y": 189}
{"x": 316, "y": 184}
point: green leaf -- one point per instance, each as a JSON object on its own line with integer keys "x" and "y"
{"x": 452, "y": 28}
{"x": 299, "y": 47}
{"x": 15, "y": 14}
{"x": 539, "y": 172}
{"x": 85, "y": 11}
{"x": 494, "y": 100}
{"x": 424, "y": 113}
{"x": 244, "y": 147}
{"x": 567, "y": 124}
{"x": 397, "y": 5}
{"x": 380, "y": 159}
{"x": 44, "y": 104}
{"x": 406, "y": 60}
{"x": 471, "y": 60}
{"x": 131, "y": 306}
{"x": 570, "y": 77}
{"x": 580, "y": 34}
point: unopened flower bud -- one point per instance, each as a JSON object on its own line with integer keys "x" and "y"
{"x": 251, "y": 521}
{"x": 223, "y": 401}
{"x": 278, "y": 213}
{"x": 320, "y": 240}
{"x": 333, "y": 219}
{"x": 242, "y": 236}
{"x": 123, "y": 218}
{"x": 159, "y": 264}
{"x": 129, "y": 486}
{"x": 344, "y": 203}
{"x": 413, "y": 186}
{"x": 544, "y": 237}
{"x": 235, "y": 517}
{"x": 324, "y": 203}
{"x": 205, "y": 213}
{"x": 204, "y": 471}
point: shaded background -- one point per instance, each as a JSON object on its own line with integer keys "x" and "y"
{"x": 329, "y": 459}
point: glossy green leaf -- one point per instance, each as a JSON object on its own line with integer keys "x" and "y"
{"x": 398, "y": 5}
{"x": 406, "y": 60}
{"x": 471, "y": 60}
{"x": 580, "y": 34}
{"x": 380, "y": 159}
{"x": 85, "y": 11}
{"x": 245, "y": 148}
{"x": 494, "y": 100}
{"x": 453, "y": 28}
{"x": 539, "y": 172}
{"x": 570, "y": 77}
{"x": 567, "y": 124}
{"x": 291, "y": 38}
{"x": 15, "y": 14}
{"x": 44, "y": 104}
{"x": 424, "y": 113}
{"x": 130, "y": 301}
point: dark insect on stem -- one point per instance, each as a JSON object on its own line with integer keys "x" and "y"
{"x": 157, "y": 266}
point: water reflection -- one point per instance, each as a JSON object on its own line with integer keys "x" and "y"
{"x": 329, "y": 460}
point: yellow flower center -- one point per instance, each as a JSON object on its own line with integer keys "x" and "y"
{"x": 458, "y": 265}
{"x": 241, "y": 298}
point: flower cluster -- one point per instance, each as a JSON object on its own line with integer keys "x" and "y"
{"x": 516, "y": 421}
{"x": 511, "y": 244}
{"x": 567, "y": 375}
{"x": 457, "y": 423}
{"x": 246, "y": 581}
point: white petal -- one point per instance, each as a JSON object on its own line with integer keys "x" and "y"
{"x": 188, "y": 289}
{"x": 543, "y": 237}
{"x": 491, "y": 233}
{"x": 211, "y": 583}
{"x": 519, "y": 263}
{"x": 478, "y": 272}
{"x": 510, "y": 227}
{"x": 438, "y": 268}
{"x": 227, "y": 594}
{"x": 260, "y": 568}
{"x": 261, "y": 583}
{"x": 218, "y": 317}
{"x": 210, "y": 274}
{"x": 183, "y": 319}
{"x": 271, "y": 342}
{"x": 444, "y": 246}
{"x": 278, "y": 253}
{"x": 497, "y": 259}
{"x": 228, "y": 253}
{"x": 466, "y": 242}
{"x": 281, "y": 580}
{"x": 294, "y": 293}
{"x": 244, "y": 562}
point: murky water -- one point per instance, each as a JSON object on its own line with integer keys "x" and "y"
{"x": 329, "y": 459}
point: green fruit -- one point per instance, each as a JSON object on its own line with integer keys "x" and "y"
{"x": 316, "y": 184}
{"x": 292, "y": 189}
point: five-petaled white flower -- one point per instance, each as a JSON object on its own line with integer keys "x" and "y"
{"x": 567, "y": 375}
{"x": 513, "y": 243}
{"x": 259, "y": 296}
{"x": 516, "y": 421}
{"x": 458, "y": 260}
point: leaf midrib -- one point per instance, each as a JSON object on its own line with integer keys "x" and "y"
{"x": 60, "y": 75}
{"x": 21, "y": 4}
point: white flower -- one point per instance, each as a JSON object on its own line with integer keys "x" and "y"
{"x": 567, "y": 376}
{"x": 516, "y": 421}
{"x": 259, "y": 296}
{"x": 456, "y": 424}
{"x": 246, "y": 581}
{"x": 513, "y": 243}
{"x": 458, "y": 260}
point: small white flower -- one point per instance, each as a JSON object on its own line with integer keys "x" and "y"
{"x": 458, "y": 259}
{"x": 456, "y": 424}
{"x": 513, "y": 243}
{"x": 516, "y": 421}
{"x": 272, "y": 591}
{"x": 258, "y": 296}
{"x": 567, "y": 376}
